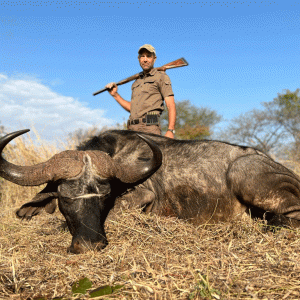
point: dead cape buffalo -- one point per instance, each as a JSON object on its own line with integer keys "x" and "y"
{"x": 202, "y": 181}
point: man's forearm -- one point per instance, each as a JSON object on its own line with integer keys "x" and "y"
{"x": 171, "y": 111}
{"x": 124, "y": 103}
{"x": 113, "y": 91}
{"x": 172, "y": 117}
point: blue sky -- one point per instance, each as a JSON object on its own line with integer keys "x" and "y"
{"x": 55, "y": 54}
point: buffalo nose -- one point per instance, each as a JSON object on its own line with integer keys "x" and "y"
{"x": 82, "y": 246}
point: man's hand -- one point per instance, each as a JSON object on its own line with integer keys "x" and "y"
{"x": 169, "y": 134}
{"x": 172, "y": 115}
{"x": 112, "y": 88}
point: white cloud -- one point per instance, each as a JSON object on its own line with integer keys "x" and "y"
{"x": 2, "y": 76}
{"x": 27, "y": 103}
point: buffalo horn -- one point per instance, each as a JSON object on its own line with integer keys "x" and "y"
{"x": 138, "y": 171}
{"x": 64, "y": 165}
{"x": 70, "y": 163}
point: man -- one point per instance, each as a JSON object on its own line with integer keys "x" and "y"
{"x": 149, "y": 92}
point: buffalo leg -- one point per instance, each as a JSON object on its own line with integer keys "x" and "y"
{"x": 45, "y": 199}
{"x": 138, "y": 198}
{"x": 260, "y": 182}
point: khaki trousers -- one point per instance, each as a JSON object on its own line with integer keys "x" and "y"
{"x": 142, "y": 127}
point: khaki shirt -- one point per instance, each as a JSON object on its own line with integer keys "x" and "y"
{"x": 149, "y": 92}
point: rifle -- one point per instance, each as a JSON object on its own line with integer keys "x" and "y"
{"x": 181, "y": 62}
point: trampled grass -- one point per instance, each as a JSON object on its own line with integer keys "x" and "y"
{"x": 148, "y": 257}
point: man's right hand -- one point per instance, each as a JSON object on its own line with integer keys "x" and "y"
{"x": 112, "y": 88}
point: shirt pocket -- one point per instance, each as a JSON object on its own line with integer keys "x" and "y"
{"x": 150, "y": 86}
{"x": 135, "y": 89}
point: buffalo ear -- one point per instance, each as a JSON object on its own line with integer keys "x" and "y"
{"x": 41, "y": 201}
{"x": 51, "y": 206}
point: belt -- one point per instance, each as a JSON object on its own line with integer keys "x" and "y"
{"x": 136, "y": 121}
{"x": 151, "y": 118}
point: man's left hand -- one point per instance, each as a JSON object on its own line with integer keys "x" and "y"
{"x": 169, "y": 134}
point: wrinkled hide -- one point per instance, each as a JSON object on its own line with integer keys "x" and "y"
{"x": 201, "y": 181}
{"x": 206, "y": 181}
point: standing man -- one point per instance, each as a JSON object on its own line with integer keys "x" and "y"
{"x": 149, "y": 92}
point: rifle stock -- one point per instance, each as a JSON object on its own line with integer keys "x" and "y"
{"x": 181, "y": 62}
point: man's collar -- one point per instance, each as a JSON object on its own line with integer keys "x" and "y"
{"x": 151, "y": 73}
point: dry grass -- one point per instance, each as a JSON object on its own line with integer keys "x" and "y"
{"x": 150, "y": 256}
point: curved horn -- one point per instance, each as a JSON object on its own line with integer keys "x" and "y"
{"x": 8, "y": 170}
{"x": 70, "y": 163}
{"x": 66, "y": 164}
{"x": 140, "y": 171}
{"x": 7, "y": 138}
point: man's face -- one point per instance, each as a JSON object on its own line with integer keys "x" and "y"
{"x": 147, "y": 60}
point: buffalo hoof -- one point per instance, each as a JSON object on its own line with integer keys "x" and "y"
{"x": 81, "y": 247}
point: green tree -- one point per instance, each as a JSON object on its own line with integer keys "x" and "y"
{"x": 286, "y": 107}
{"x": 192, "y": 122}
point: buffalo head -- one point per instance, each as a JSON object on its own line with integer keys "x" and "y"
{"x": 85, "y": 183}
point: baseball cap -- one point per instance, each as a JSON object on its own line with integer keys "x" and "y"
{"x": 147, "y": 47}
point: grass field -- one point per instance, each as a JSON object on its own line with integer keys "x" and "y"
{"x": 148, "y": 257}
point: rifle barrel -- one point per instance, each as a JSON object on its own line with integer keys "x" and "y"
{"x": 100, "y": 91}
{"x": 175, "y": 64}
